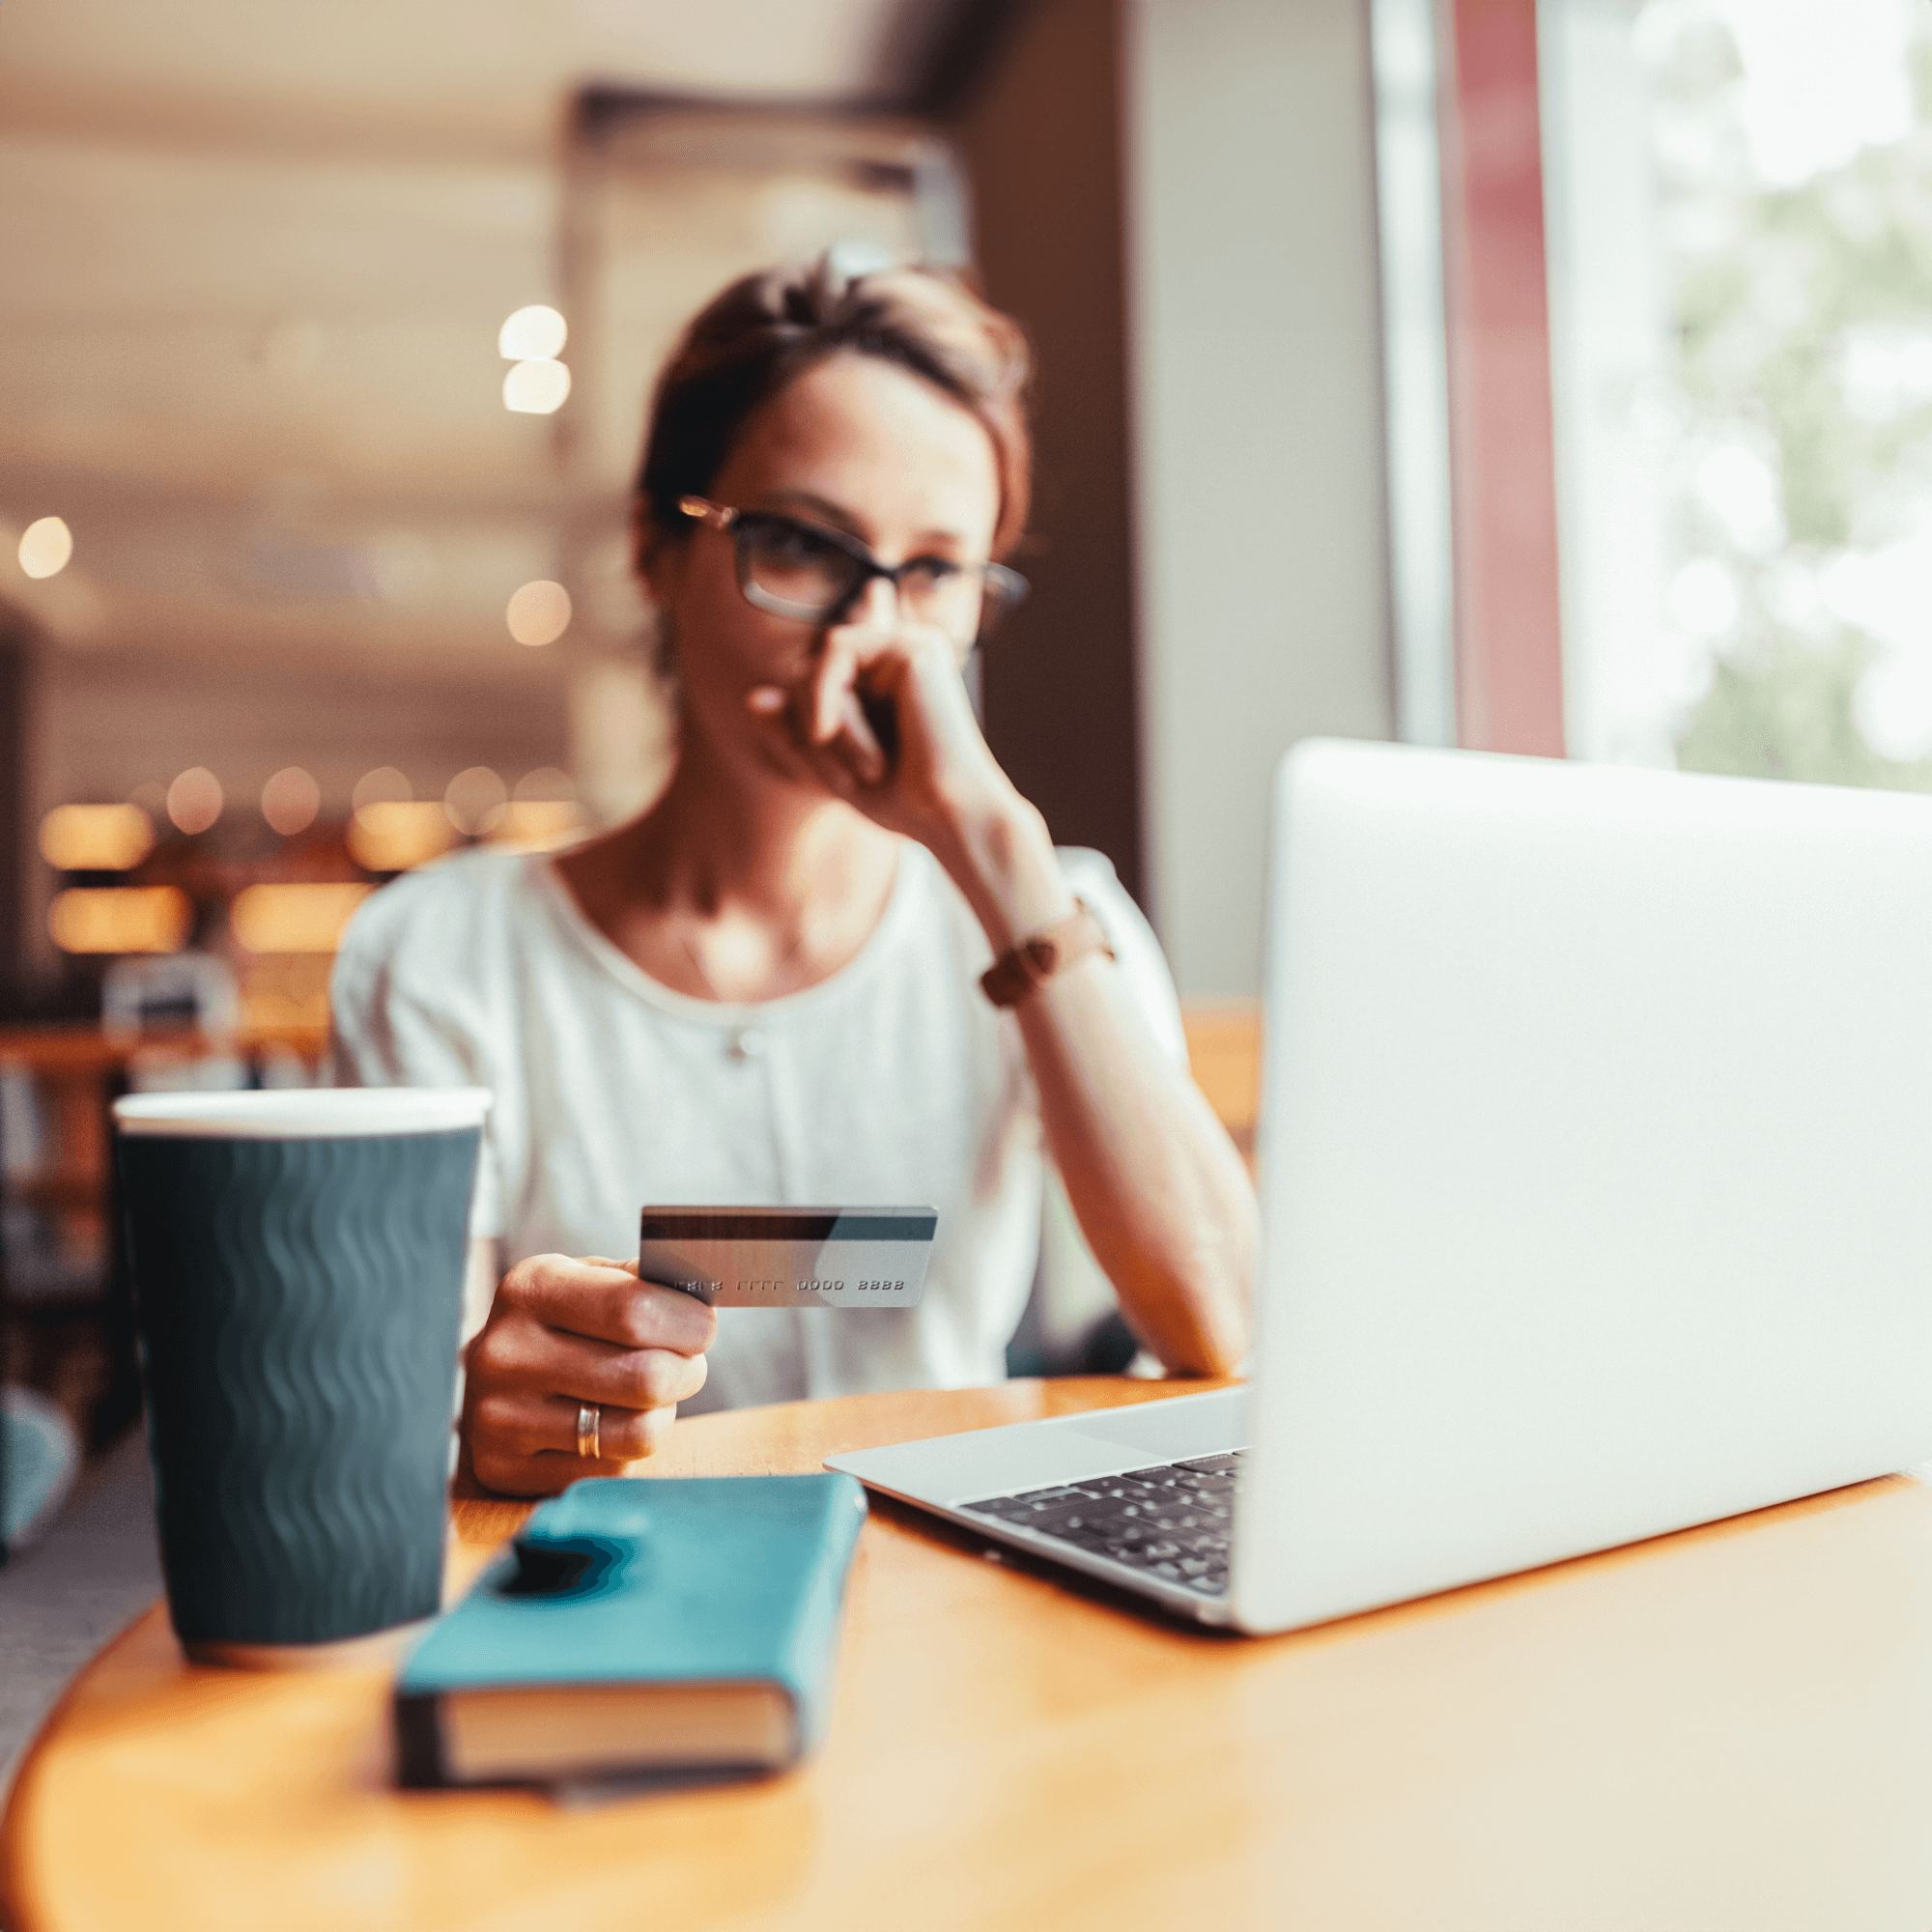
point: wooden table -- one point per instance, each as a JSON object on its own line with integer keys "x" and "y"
{"x": 1729, "y": 1729}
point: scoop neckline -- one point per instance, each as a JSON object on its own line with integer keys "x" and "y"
{"x": 721, "y": 1013}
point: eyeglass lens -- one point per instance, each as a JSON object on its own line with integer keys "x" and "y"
{"x": 788, "y": 565}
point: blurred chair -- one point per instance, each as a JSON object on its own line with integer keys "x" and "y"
{"x": 175, "y": 989}
{"x": 173, "y": 992}
{"x": 1072, "y": 1323}
{"x": 40, "y": 1458}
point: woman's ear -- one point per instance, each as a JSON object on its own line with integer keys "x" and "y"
{"x": 657, "y": 557}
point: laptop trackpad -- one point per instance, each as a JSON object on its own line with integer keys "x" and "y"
{"x": 1167, "y": 1431}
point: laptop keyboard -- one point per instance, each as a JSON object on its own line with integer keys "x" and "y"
{"x": 1171, "y": 1521}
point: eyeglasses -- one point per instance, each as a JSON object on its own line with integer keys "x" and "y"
{"x": 805, "y": 571}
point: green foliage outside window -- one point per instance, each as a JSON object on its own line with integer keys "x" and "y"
{"x": 1803, "y": 345}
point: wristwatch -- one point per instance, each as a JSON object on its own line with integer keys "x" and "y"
{"x": 1013, "y": 974}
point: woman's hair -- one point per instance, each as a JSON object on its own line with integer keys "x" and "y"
{"x": 769, "y": 328}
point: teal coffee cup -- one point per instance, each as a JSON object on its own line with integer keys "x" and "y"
{"x": 298, "y": 1265}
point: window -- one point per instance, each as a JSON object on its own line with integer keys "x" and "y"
{"x": 1739, "y": 219}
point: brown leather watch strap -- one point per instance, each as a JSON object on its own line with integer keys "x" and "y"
{"x": 1013, "y": 974}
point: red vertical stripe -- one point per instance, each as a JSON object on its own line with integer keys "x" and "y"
{"x": 1508, "y": 666}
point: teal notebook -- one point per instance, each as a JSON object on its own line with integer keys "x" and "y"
{"x": 664, "y": 1627}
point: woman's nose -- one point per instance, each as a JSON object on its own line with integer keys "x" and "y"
{"x": 874, "y": 603}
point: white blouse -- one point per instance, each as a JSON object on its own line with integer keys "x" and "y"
{"x": 894, "y": 1082}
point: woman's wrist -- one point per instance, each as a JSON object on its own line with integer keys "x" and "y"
{"x": 1001, "y": 857}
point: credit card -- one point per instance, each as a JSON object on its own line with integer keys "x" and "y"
{"x": 789, "y": 1257}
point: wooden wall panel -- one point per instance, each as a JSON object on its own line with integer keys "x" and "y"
{"x": 1042, "y": 138}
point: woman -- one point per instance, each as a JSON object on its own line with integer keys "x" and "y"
{"x": 767, "y": 988}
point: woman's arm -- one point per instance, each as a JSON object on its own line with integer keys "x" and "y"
{"x": 1159, "y": 1191}
{"x": 1157, "y": 1188}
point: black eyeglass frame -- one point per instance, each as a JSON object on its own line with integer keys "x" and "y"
{"x": 1001, "y": 589}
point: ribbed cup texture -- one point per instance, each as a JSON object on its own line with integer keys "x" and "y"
{"x": 299, "y": 1304}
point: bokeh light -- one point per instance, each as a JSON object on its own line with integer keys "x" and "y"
{"x": 298, "y": 916}
{"x": 475, "y": 800}
{"x": 96, "y": 838}
{"x": 536, "y": 389}
{"x": 395, "y": 835}
{"x": 542, "y": 813}
{"x": 539, "y": 613}
{"x": 194, "y": 800}
{"x": 534, "y": 333}
{"x": 47, "y": 544}
{"x": 385, "y": 785}
{"x": 544, "y": 786}
{"x": 121, "y": 919}
{"x": 291, "y": 800}
{"x": 536, "y": 824}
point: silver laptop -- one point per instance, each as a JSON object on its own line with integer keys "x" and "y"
{"x": 1597, "y": 1123}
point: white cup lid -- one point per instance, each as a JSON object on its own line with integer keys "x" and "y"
{"x": 304, "y": 1113}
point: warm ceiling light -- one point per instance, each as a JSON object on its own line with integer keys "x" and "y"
{"x": 475, "y": 800}
{"x": 294, "y": 918}
{"x": 46, "y": 545}
{"x": 385, "y": 785}
{"x": 96, "y": 838}
{"x": 542, "y": 813}
{"x": 194, "y": 800}
{"x": 119, "y": 918}
{"x": 539, "y": 613}
{"x": 537, "y": 332}
{"x": 394, "y": 835}
{"x": 536, "y": 388}
{"x": 291, "y": 800}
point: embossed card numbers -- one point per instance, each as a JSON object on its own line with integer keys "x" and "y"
{"x": 789, "y": 1257}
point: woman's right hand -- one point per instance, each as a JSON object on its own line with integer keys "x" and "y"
{"x": 563, "y": 1333}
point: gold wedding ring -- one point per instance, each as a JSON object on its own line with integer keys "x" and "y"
{"x": 590, "y": 1419}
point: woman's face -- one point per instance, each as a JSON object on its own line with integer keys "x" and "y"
{"x": 857, "y": 446}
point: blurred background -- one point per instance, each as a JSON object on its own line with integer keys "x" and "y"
{"x": 324, "y": 349}
{"x": 1541, "y": 377}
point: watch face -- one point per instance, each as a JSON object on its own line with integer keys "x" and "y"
{"x": 789, "y": 1257}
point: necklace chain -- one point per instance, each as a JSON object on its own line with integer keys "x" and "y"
{"x": 745, "y": 1040}
{"x": 806, "y": 931}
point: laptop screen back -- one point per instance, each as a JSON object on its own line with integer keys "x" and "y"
{"x": 1596, "y": 1125}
